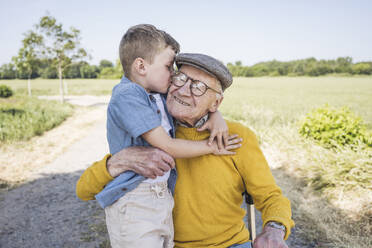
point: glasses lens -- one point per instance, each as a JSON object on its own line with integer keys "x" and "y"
{"x": 179, "y": 79}
{"x": 198, "y": 88}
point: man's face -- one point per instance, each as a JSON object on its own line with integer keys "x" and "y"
{"x": 186, "y": 107}
{"x": 159, "y": 72}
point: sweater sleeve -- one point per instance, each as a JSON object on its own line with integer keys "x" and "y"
{"x": 93, "y": 180}
{"x": 260, "y": 183}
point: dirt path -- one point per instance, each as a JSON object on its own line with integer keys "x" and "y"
{"x": 44, "y": 211}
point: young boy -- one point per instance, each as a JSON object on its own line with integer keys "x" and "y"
{"x": 139, "y": 210}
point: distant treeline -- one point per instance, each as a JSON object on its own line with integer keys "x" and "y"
{"x": 105, "y": 69}
{"x": 302, "y": 67}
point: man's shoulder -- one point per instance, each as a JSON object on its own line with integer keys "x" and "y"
{"x": 240, "y": 129}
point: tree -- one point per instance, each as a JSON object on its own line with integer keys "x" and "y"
{"x": 7, "y": 71}
{"x": 104, "y": 63}
{"x": 89, "y": 71}
{"x": 27, "y": 61}
{"x": 112, "y": 72}
{"x": 362, "y": 68}
{"x": 62, "y": 47}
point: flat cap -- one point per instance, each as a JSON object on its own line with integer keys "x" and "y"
{"x": 207, "y": 64}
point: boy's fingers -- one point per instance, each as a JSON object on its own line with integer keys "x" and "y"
{"x": 232, "y": 136}
{"x": 228, "y": 153}
{"x": 204, "y": 127}
{"x": 211, "y": 138}
{"x": 235, "y": 141}
{"x": 219, "y": 141}
{"x": 231, "y": 147}
{"x": 225, "y": 138}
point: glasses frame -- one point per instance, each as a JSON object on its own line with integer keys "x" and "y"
{"x": 193, "y": 81}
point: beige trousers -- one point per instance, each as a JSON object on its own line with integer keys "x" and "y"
{"x": 142, "y": 218}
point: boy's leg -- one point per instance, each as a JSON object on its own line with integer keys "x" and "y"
{"x": 142, "y": 218}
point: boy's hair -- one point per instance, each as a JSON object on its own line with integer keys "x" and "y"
{"x": 143, "y": 41}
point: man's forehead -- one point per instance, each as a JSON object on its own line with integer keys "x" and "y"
{"x": 198, "y": 74}
{"x": 207, "y": 64}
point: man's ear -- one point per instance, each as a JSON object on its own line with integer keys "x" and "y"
{"x": 216, "y": 103}
{"x": 139, "y": 66}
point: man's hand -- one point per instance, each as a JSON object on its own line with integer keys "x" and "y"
{"x": 270, "y": 238}
{"x": 149, "y": 162}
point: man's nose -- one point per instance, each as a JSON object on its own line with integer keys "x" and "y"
{"x": 185, "y": 89}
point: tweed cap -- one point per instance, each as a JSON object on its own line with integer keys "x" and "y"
{"x": 207, "y": 64}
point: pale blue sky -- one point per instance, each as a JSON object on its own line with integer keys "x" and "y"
{"x": 250, "y": 31}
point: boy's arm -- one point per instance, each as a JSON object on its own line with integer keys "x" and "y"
{"x": 179, "y": 148}
{"x": 218, "y": 128}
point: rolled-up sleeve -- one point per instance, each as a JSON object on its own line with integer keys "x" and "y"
{"x": 93, "y": 180}
{"x": 130, "y": 110}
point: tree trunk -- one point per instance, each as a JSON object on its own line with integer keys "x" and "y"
{"x": 61, "y": 83}
{"x": 65, "y": 86}
{"x": 29, "y": 85}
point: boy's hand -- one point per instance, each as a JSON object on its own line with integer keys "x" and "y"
{"x": 218, "y": 128}
{"x": 233, "y": 142}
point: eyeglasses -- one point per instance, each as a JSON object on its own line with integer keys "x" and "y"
{"x": 197, "y": 88}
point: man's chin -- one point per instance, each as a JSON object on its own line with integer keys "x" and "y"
{"x": 177, "y": 113}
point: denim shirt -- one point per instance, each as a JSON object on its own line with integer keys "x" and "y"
{"x": 130, "y": 113}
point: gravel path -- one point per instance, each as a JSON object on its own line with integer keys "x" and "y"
{"x": 45, "y": 212}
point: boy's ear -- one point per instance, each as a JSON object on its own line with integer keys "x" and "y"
{"x": 139, "y": 66}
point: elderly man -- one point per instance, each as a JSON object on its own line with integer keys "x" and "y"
{"x": 208, "y": 192}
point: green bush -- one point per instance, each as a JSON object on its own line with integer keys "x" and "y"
{"x": 5, "y": 91}
{"x": 21, "y": 118}
{"x": 333, "y": 128}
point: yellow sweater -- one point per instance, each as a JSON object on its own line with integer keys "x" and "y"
{"x": 208, "y": 192}
{"x": 209, "y": 188}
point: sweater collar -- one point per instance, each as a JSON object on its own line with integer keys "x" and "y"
{"x": 198, "y": 124}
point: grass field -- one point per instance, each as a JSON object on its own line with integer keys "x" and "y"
{"x": 21, "y": 117}
{"x": 74, "y": 86}
{"x": 272, "y": 107}
{"x": 286, "y": 97}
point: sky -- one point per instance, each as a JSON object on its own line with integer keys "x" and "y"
{"x": 234, "y": 30}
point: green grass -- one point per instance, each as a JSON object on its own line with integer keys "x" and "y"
{"x": 22, "y": 117}
{"x": 273, "y": 107}
{"x": 283, "y": 99}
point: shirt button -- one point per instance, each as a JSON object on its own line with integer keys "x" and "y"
{"x": 151, "y": 97}
{"x": 124, "y": 189}
{"x": 158, "y": 111}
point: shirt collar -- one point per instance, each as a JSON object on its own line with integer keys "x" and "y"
{"x": 198, "y": 124}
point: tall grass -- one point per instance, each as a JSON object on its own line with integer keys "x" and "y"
{"x": 272, "y": 107}
{"x": 23, "y": 117}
